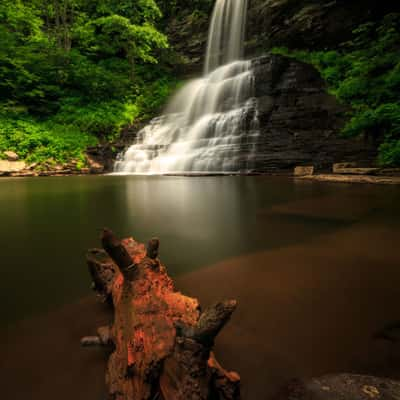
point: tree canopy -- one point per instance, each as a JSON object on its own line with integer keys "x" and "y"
{"x": 83, "y": 66}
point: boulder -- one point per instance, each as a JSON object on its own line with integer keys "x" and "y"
{"x": 11, "y": 166}
{"x": 32, "y": 166}
{"x": 304, "y": 171}
{"x": 24, "y": 174}
{"x": 351, "y": 169}
{"x": 11, "y": 156}
{"x": 339, "y": 166}
{"x": 342, "y": 387}
{"x": 343, "y": 178}
{"x": 389, "y": 172}
{"x": 95, "y": 166}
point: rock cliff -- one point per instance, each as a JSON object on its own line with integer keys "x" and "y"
{"x": 310, "y": 24}
{"x": 299, "y": 121}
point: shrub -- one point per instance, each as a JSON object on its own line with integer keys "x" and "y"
{"x": 39, "y": 142}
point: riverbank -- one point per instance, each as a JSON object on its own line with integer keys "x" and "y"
{"x": 100, "y": 160}
{"x": 363, "y": 179}
{"x": 329, "y": 178}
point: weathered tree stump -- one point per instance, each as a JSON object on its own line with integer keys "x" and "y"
{"x": 161, "y": 341}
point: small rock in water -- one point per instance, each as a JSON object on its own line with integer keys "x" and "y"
{"x": 304, "y": 171}
{"x": 11, "y": 156}
{"x": 342, "y": 387}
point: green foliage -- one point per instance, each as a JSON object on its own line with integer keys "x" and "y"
{"x": 389, "y": 153}
{"x": 154, "y": 96}
{"x": 176, "y": 8}
{"x": 36, "y": 142}
{"x": 384, "y": 119}
{"x": 112, "y": 35}
{"x": 365, "y": 73}
{"x": 137, "y": 11}
{"x": 105, "y": 119}
{"x": 72, "y": 71}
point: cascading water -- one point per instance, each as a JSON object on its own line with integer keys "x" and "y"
{"x": 211, "y": 124}
{"x": 226, "y": 33}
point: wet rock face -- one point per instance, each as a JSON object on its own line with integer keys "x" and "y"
{"x": 311, "y": 24}
{"x": 306, "y": 24}
{"x": 188, "y": 37}
{"x": 299, "y": 121}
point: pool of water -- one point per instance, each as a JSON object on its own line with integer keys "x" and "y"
{"x": 314, "y": 267}
{"x": 48, "y": 224}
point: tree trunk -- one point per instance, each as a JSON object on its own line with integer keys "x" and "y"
{"x": 162, "y": 342}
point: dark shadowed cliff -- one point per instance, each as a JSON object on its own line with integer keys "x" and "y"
{"x": 309, "y": 24}
{"x": 299, "y": 121}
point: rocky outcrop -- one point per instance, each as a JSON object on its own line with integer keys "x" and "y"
{"x": 306, "y": 24}
{"x": 310, "y": 24}
{"x": 362, "y": 179}
{"x": 100, "y": 158}
{"x": 187, "y": 35}
{"x": 299, "y": 121}
{"x": 11, "y": 156}
{"x": 8, "y": 167}
{"x": 304, "y": 171}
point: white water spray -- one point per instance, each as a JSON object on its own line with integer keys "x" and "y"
{"x": 211, "y": 124}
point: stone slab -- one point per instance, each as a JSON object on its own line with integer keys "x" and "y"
{"x": 12, "y": 166}
{"x": 304, "y": 171}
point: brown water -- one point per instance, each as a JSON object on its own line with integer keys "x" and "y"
{"x": 315, "y": 267}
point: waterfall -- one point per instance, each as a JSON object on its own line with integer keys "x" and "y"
{"x": 226, "y": 34}
{"x": 211, "y": 124}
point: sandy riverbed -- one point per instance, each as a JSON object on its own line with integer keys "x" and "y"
{"x": 304, "y": 310}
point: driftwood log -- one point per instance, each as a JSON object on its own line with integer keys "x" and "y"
{"x": 161, "y": 342}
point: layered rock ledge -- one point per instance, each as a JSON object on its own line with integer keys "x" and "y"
{"x": 300, "y": 122}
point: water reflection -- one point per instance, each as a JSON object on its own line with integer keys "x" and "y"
{"x": 47, "y": 224}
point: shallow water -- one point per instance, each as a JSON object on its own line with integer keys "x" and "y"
{"x": 48, "y": 224}
{"x": 315, "y": 268}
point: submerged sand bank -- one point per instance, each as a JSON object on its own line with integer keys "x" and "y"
{"x": 304, "y": 310}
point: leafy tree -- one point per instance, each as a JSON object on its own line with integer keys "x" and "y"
{"x": 78, "y": 66}
{"x": 115, "y": 35}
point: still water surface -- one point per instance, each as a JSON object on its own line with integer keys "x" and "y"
{"x": 315, "y": 268}
{"x": 48, "y": 224}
